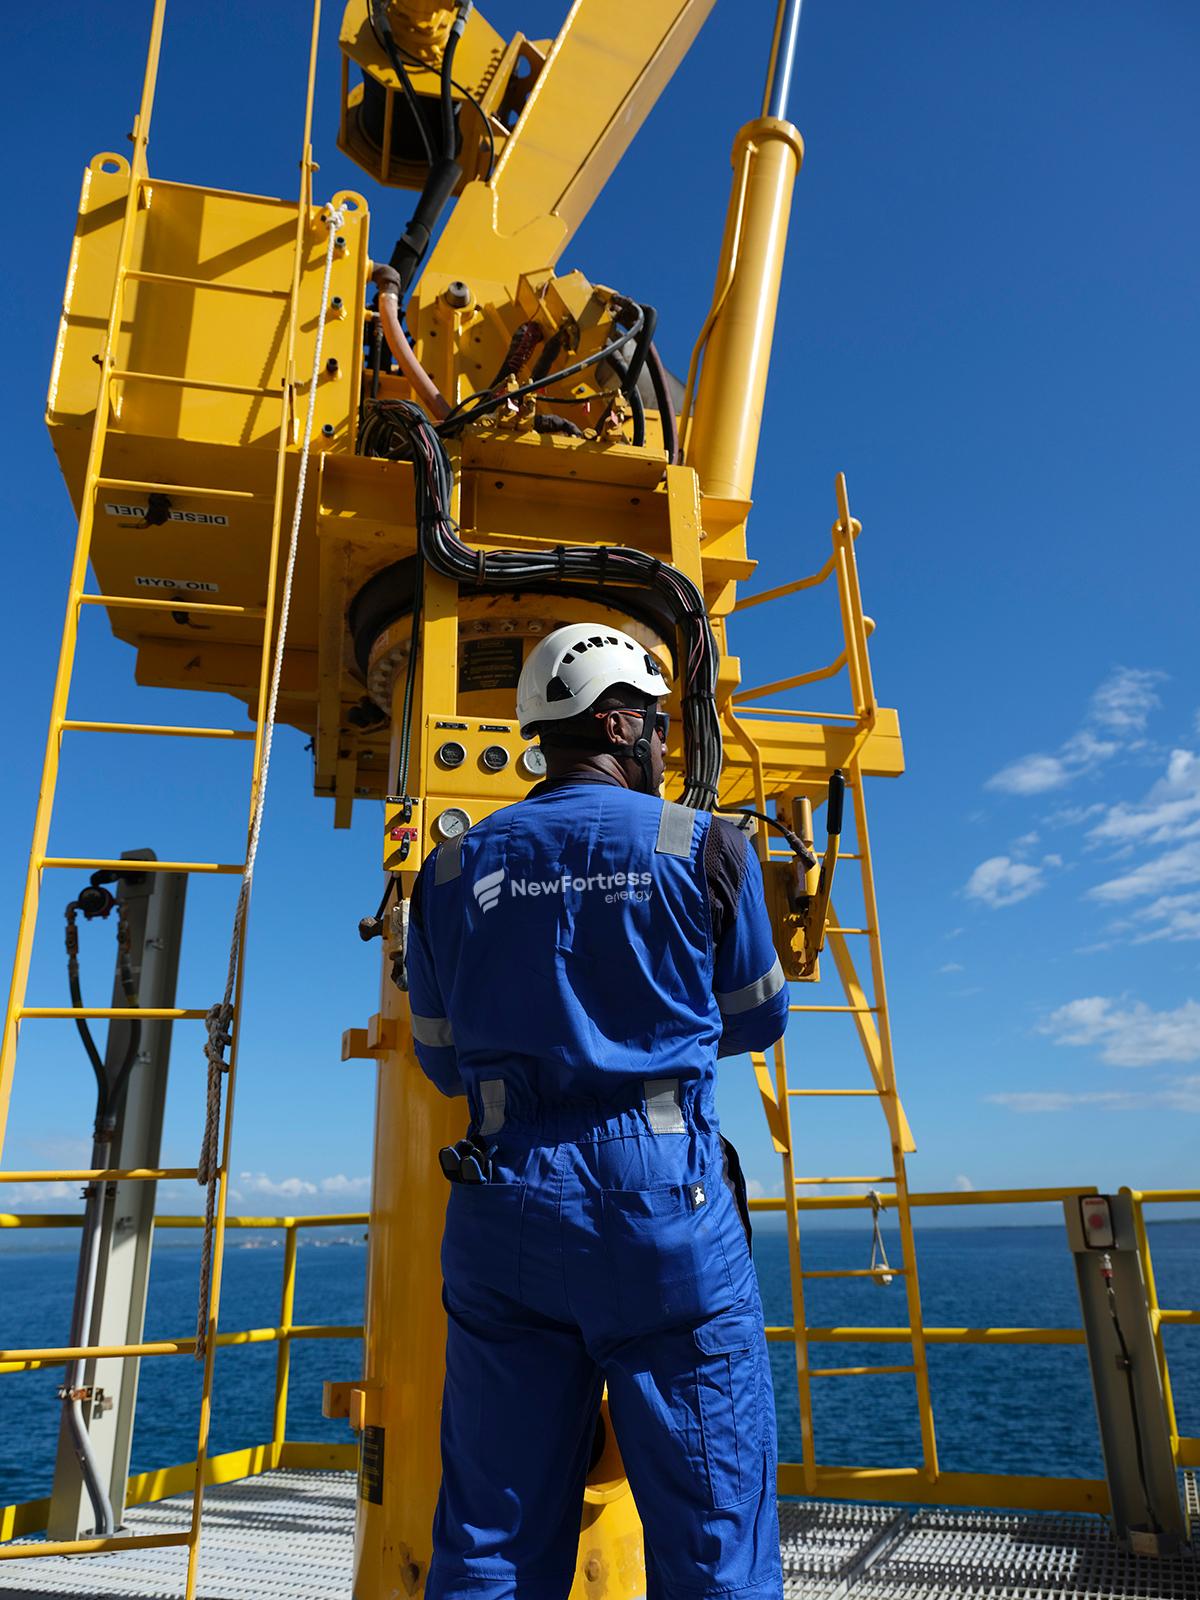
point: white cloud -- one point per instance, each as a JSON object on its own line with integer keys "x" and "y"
{"x": 1001, "y": 881}
{"x": 36, "y": 1192}
{"x": 1174, "y": 869}
{"x": 963, "y": 1184}
{"x": 1128, "y": 1035}
{"x": 1034, "y": 1101}
{"x": 951, "y": 966}
{"x": 1118, "y": 709}
{"x": 1169, "y": 814}
{"x": 1178, "y": 916}
{"x": 341, "y": 1184}
{"x": 1036, "y": 774}
{"x": 1125, "y": 699}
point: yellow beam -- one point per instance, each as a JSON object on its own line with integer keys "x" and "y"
{"x": 910, "y": 1486}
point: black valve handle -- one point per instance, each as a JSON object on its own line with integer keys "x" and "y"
{"x": 833, "y": 807}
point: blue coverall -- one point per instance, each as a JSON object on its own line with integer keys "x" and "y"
{"x": 576, "y": 964}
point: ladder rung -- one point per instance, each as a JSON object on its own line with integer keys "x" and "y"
{"x": 184, "y": 603}
{"x": 855, "y": 1179}
{"x": 834, "y": 1008}
{"x": 847, "y": 930}
{"x": 208, "y": 385}
{"x": 857, "y": 1272}
{"x": 808, "y": 1093}
{"x": 149, "y": 727}
{"x": 854, "y": 1372}
{"x": 205, "y": 283}
{"x": 181, "y": 488}
{"x": 849, "y": 855}
{"x": 108, "y": 1174}
{"x": 124, "y": 865}
{"x": 117, "y": 1013}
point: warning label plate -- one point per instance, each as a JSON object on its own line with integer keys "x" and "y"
{"x": 188, "y": 585}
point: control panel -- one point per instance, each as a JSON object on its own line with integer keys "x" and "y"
{"x": 470, "y": 767}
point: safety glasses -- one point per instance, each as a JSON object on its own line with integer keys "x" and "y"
{"x": 662, "y": 719}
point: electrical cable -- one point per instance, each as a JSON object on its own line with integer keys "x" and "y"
{"x": 1126, "y": 1365}
{"x": 513, "y": 570}
{"x": 662, "y": 397}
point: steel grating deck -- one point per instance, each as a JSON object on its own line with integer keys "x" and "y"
{"x": 289, "y": 1536}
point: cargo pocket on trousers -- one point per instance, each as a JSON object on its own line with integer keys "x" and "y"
{"x": 665, "y": 1255}
{"x": 728, "y": 1383}
{"x": 481, "y": 1245}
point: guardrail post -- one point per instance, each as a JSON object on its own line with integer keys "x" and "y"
{"x": 283, "y": 1353}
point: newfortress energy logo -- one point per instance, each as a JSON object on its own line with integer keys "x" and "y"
{"x": 615, "y": 886}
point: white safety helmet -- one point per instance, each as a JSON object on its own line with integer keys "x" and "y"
{"x": 568, "y": 671}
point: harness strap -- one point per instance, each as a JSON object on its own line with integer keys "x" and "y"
{"x": 449, "y": 860}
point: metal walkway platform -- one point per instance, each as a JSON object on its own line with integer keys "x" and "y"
{"x": 289, "y": 1536}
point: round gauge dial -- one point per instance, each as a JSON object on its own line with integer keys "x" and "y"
{"x": 495, "y": 758}
{"x": 451, "y": 754}
{"x": 451, "y": 822}
{"x": 532, "y": 763}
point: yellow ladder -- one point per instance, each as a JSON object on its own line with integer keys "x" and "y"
{"x": 869, "y": 1012}
{"x": 95, "y": 482}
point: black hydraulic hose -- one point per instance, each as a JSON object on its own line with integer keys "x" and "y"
{"x": 449, "y": 129}
{"x": 382, "y": 29}
{"x": 633, "y": 394}
{"x": 638, "y": 359}
{"x": 666, "y": 409}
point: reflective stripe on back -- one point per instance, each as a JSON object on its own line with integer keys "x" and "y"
{"x": 675, "y": 830}
{"x": 491, "y": 1097}
{"x": 662, "y": 1106}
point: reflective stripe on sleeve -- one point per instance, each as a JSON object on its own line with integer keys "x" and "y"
{"x": 764, "y": 988}
{"x": 432, "y": 1030}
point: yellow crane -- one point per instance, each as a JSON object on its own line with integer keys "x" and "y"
{"x": 247, "y": 371}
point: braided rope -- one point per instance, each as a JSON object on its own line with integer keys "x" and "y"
{"x": 219, "y": 1023}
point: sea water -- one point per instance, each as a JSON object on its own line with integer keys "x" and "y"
{"x": 1023, "y": 1409}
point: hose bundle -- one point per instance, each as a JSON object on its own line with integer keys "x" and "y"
{"x": 513, "y": 570}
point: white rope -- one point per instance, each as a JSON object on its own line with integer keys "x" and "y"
{"x": 220, "y": 1017}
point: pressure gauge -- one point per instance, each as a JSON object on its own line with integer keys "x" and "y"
{"x": 495, "y": 758}
{"x": 451, "y": 754}
{"x": 450, "y": 823}
{"x": 532, "y": 763}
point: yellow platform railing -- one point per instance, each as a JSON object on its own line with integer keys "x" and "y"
{"x": 905, "y": 1485}
{"x": 18, "y": 1521}
{"x": 1018, "y": 1491}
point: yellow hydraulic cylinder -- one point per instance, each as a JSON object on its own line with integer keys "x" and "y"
{"x": 728, "y": 415}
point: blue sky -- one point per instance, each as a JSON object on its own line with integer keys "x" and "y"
{"x": 989, "y": 321}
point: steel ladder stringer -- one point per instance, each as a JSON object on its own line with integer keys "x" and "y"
{"x": 95, "y": 481}
{"x": 873, "y": 1027}
{"x": 872, "y": 1024}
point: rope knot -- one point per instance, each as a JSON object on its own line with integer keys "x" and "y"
{"x": 219, "y": 1023}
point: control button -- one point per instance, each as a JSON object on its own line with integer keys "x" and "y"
{"x": 451, "y": 822}
{"x": 532, "y": 763}
{"x": 451, "y": 754}
{"x": 495, "y": 758}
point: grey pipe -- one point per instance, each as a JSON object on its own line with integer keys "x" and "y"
{"x": 783, "y": 60}
{"x": 81, "y": 1325}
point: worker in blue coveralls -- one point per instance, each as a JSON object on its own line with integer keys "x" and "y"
{"x": 576, "y": 964}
